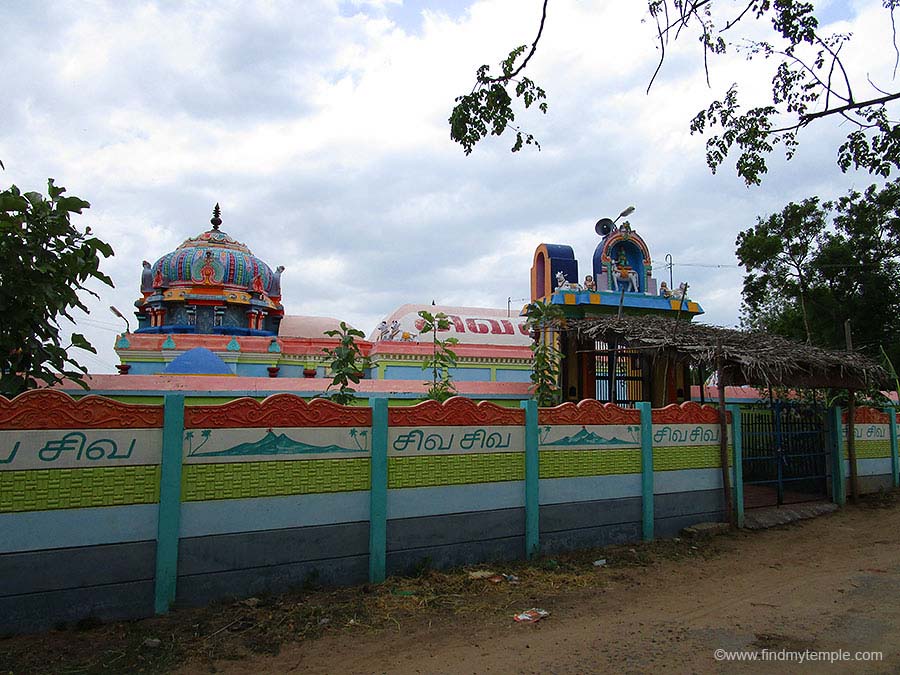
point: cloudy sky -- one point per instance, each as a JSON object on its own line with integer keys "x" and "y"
{"x": 321, "y": 128}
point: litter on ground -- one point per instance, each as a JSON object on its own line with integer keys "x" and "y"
{"x": 532, "y": 615}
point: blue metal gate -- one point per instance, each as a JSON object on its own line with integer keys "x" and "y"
{"x": 785, "y": 456}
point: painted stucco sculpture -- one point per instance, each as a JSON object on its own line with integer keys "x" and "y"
{"x": 210, "y": 284}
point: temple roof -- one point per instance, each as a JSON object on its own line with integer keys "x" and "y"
{"x": 746, "y": 357}
{"x": 214, "y": 257}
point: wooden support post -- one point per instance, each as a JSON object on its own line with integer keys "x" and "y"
{"x": 851, "y": 425}
{"x": 723, "y": 442}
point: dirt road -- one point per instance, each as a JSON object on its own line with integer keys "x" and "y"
{"x": 829, "y": 584}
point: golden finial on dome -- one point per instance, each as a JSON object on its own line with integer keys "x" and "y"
{"x": 216, "y": 220}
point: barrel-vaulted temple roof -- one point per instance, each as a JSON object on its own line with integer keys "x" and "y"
{"x": 747, "y": 357}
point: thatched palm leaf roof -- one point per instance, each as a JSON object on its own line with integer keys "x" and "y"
{"x": 748, "y": 357}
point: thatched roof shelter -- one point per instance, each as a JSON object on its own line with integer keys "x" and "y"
{"x": 746, "y": 357}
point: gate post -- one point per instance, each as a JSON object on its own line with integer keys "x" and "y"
{"x": 895, "y": 464}
{"x": 646, "y": 469}
{"x": 169, "y": 509}
{"x": 838, "y": 486}
{"x": 532, "y": 480}
{"x": 737, "y": 445}
{"x": 378, "y": 486}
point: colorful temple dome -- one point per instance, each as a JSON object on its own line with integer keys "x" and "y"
{"x": 213, "y": 257}
{"x": 211, "y": 284}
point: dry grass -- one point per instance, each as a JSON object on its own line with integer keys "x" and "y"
{"x": 262, "y": 625}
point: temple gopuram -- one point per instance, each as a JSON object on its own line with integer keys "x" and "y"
{"x": 211, "y": 284}
{"x": 620, "y": 282}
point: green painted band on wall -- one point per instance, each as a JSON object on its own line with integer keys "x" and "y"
{"x": 239, "y": 480}
{"x": 46, "y": 489}
{"x": 880, "y": 449}
{"x": 573, "y": 463}
{"x": 432, "y": 470}
{"x": 676, "y": 458}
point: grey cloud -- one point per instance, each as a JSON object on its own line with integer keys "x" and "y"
{"x": 403, "y": 225}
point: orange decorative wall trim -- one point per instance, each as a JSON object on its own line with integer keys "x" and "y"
{"x": 867, "y": 415}
{"x": 688, "y": 412}
{"x": 588, "y": 412}
{"x": 48, "y": 409}
{"x": 280, "y": 410}
{"x": 456, "y": 411}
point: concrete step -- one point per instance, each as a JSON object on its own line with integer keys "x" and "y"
{"x": 759, "y": 519}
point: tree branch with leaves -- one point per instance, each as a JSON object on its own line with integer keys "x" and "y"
{"x": 47, "y": 264}
{"x": 489, "y": 104}
{"x": 810, "y": 82}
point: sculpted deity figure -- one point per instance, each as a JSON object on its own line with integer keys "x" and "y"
{"x": 276, "y": 282}
{"x": 146, "y": 278}
{"x": 383, "y": 330}
{"x": 562, "y": 284}
{"x": 623, "y": 273}
{"x": 207, "y": 271}
{"x": 680, "y": 292}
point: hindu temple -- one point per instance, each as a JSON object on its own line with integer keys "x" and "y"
{"x": 620, "y": 281}
{"x": 213, "y": 308}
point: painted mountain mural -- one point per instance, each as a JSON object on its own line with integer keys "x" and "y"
{"x": 275, "y": 444}
{"x": 585, "y": 437}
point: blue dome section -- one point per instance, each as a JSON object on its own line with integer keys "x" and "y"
{"x": 198, "y": 361}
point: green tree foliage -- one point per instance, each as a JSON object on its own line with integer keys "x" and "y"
{"x": 442, "y": 358}
{"x": 545, "y": 357}
{"x": 813, "y": 265}
{"x": 46, "y": 262}
{"x": 810, "y": 81}
{"x": 347, "y": 363}
{"x": 489, "y": 105}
